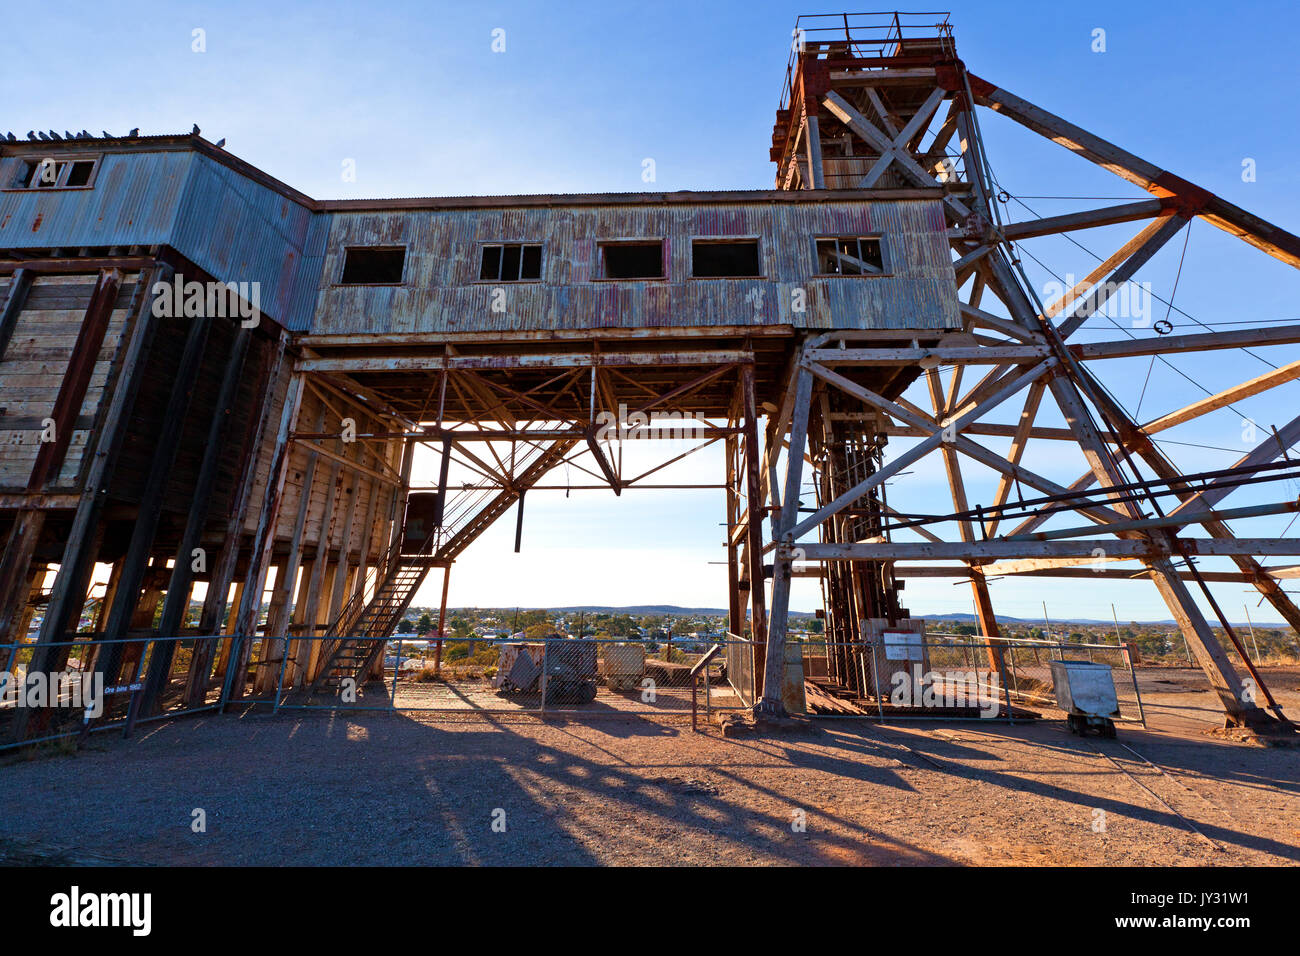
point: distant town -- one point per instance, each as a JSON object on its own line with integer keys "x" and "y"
{"x": 692, "y": 629}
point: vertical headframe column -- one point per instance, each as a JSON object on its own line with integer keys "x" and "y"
{"x": 813, "y": 136}
{"x": 774, "y": 670}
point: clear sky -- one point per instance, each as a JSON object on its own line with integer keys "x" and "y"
{"x": 416, "y": 97}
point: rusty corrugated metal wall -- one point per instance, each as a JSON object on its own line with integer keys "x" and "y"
{"x": 441, "y": 292}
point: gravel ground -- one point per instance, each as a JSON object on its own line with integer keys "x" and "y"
{"x": 382, "y": 788}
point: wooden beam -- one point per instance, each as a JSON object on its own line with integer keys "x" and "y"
{"x": 1195, "y": 342}
{"x": 398, "y": 363}
{"x": 1092, "y": 549}
{"x": 1222, "y": 214}
{"x": 1224, "y": 398}
{"x": 1069, "y": 222}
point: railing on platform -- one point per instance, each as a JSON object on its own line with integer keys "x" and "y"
{"x": 913, "y": 676}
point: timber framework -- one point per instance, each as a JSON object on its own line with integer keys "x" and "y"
{"x": 209, "y": 378}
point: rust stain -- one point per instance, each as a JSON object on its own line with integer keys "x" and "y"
{"x": 36, "y": 223}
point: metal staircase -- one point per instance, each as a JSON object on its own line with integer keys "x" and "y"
{"x": 358, "y": 636}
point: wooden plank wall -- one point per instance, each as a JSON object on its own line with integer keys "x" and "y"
{"x": 351, "y": 489}
{"x": 33, "y": 366}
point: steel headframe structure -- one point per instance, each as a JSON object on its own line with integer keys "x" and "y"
{"x": 875, "y": 101}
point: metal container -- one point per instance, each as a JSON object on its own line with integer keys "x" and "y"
{"x": 622, "y": 665}
{"x": 1085, "y": 688}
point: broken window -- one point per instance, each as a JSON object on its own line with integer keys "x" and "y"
{"x": 373, "y": 266}
{"x": 851, "y": 256}
{"x": 47, "y": 174}
{"x": 79, "y": 174}
{"x": 511, "y": 262}
{"x": 55, "y": 173}
{"x": 724, "y": 259}
{"x": 632, "y": 260}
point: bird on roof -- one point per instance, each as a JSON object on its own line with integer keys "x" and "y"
{"x": 54, "y": 134}
{"x": 221, "y": 142}
{"x": 107, "y": 134}
{"x": 43, "y": 135}
{"x": 31, "y": 134}
{"x": 195, "y": 130}
{"x": 134, "y": 132}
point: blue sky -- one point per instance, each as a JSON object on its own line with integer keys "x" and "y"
{"x": 584, "y": 92}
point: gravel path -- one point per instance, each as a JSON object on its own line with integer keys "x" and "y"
{"x": 391, "y": 789}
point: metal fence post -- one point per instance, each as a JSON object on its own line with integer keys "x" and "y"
{"x": 397, "y": 670}
{"x": 875, "y": 680}
{"x": 546, "y": 653}
{"x": 279, "y": 683}
{"x": 1006, "y": 685}
{"x": 1132, "y": 672}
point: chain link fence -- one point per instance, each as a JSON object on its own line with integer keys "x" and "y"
{"x": 910, "y": 675}
{"x": 902, "y": 675}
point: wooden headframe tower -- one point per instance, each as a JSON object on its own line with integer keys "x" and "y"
{"x": 884, "y": 101}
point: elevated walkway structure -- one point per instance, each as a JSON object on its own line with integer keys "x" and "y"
{"x": 211, "y": 378}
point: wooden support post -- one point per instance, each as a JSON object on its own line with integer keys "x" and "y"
{"x": 67, "y": 597}
{"x": 14, "y": 567}
{"x": 151, "y": 498}
{"x": 774, "y": 671}
{"x": 72, "y": 390}
{"x": 20, "y": 284}
{"x": 754, "y": 527}
{"x": 263, "y": 542}
{"x": 177, "y": 602}
{"x": 735, "y": 607}
{"x": 814, "y": 140}
{"x": 213, "y": 618}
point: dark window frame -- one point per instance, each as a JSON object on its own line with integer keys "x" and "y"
{"x": 65, "y": 162}
{"x": 603, "y": 244}
{"x": 343, "y": 265}
{"x": 730, "y": 240}
{"x": 886, "y": 262}
{"x": 502, "y": 245}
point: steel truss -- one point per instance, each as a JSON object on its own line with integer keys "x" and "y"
{"x": 874, "y": 103}
{"x": 506, "y": 417}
